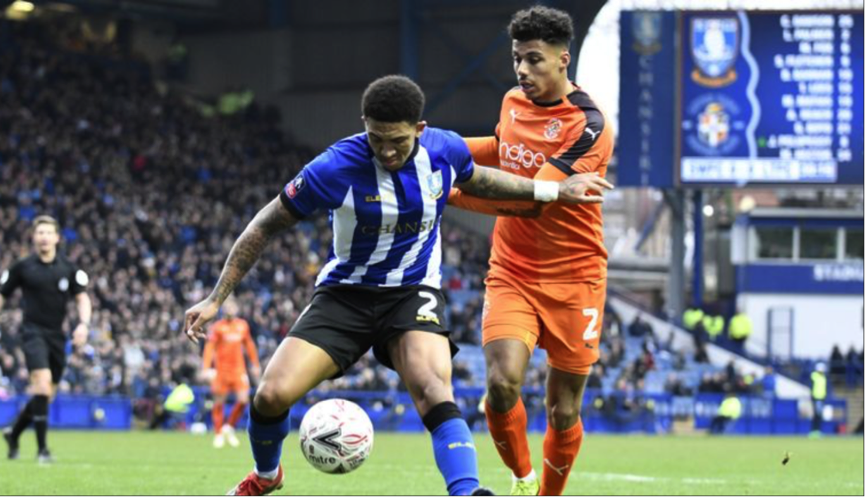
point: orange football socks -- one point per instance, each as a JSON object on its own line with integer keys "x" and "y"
{"x": 509, "y": 434}
{"x": 560, "y": 452}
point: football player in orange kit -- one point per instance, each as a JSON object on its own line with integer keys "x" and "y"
{"x": 547, "y": 280}
{"x": 228, "y": 338}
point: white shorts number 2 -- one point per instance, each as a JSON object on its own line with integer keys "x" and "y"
{"x": 591, "y": 331}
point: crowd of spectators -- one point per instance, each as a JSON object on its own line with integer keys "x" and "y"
{"x": 846, "y": 368}
{"x": 151, "y": 194}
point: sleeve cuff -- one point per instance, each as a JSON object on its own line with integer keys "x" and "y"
{"x": 562, "y": 166}
{"x": 470, "y": 176}
{"x": 289, "y": 206}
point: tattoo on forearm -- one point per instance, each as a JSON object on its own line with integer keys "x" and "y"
{"x": 494, "y": 184}
{"x": 249, "y": 247}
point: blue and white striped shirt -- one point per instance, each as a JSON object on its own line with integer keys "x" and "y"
{"x": 385, "y": 224}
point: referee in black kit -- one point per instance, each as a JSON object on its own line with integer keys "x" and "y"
{"x": 48, "y": 281}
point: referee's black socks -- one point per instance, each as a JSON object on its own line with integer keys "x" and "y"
{"x": 25, "y": 417}
{"x": 36, "y": 412}
{"x": 39, "y": 410}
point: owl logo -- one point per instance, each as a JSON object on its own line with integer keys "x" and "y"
{"x": 435, "y": 185}
{"x": 714, "y": 48}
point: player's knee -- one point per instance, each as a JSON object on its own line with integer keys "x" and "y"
{"x": 563, "y": 416}
{"x": 504, "y": 390}
{"x": 41, "y": 390}
{"x": 270, "y": 401}
{"x": 431, "y": 391}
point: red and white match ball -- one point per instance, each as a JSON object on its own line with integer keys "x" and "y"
{"x": 336, "y": 436}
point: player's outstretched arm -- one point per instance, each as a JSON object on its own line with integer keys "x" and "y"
{"x": 510, "y": 208}
{"x": 270, "y": 221}
{"x": 494, "y": 184}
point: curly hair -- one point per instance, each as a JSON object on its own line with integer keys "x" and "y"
{"x": 550, "y": 25}
{"x": 393, "y": 99}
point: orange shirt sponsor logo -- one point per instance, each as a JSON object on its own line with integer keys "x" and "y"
{"x": 516, "y": 156}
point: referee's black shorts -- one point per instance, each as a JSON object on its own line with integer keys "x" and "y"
{"x": 44, "y": 348}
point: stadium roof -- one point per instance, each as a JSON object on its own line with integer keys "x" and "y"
{"x": 221, "y": 13}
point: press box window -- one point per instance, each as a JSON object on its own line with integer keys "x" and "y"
{"x": 853, "y": 244}
{"x": 818, "y": 243}
{"x": 774, "y": 242}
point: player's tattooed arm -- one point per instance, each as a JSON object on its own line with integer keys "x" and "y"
{"x": 273, "y": 219}
{"x": 491, "y": 183}
{"x": 515, "y": 208}
{"x": 270, "y": 221}
{"x": 487, "y": 182}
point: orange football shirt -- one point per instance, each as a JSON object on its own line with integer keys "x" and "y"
{"x": 551, "y": 142}
{"x": 226, "y": 342}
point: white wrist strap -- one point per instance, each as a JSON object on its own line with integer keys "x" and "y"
{"x": 546, "y": 191}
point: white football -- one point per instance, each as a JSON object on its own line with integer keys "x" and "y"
{"x": 336, "y": 436}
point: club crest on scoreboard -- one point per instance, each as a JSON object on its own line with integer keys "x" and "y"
{"x": 713, "y": 125}
{"x": 715, "y": 45}
{"x": 646, "y": 28}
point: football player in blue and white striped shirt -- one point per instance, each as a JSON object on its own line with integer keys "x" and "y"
{"x": 385, "y": 190}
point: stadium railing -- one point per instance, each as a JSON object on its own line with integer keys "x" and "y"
{"x": 617, "y": 412}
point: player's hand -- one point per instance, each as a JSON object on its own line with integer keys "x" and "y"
{"x": 256, "y": 372}
{"x": 197, "y": 317}
{"x": 584, "y": 188}
{"x": 79, "y": 335}
{"x": 209, "y": 374}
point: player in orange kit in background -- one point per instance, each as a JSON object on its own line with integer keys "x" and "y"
{"x": 547, "y": 280}
{"x": 228, "y": 337}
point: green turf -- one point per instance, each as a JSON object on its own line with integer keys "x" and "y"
{"x": 183, "y": 464}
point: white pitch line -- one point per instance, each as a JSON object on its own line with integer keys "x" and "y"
{"x": 648, "y": 479}
{"x": 704, "y": 481}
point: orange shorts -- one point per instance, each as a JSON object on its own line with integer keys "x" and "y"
{"x": 562, "y": 318}
{"x": 232, "y": 382}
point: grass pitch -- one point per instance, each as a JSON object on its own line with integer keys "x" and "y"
{"x": 161, "y": 463}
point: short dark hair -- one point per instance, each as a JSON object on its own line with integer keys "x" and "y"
{"x": 552, "y": 26}
{"x": 393, "y": 99}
